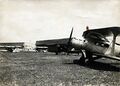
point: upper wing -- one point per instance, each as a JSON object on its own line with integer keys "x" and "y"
{"x": 104, "y": 31}
{"x": 12, "y": 44}
{"x": 99, "y": 35}
{"x": 63, "y": 41}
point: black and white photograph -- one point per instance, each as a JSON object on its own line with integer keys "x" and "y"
{"x": 59, "y": 42}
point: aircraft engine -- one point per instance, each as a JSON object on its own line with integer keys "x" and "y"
{"x": 77, "y": 43}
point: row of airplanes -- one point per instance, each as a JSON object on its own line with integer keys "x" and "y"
{"x": 95, "y": 44}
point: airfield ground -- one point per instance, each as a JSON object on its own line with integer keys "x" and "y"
{"x": 46, "y": 69}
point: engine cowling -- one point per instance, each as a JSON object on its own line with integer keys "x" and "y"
{"x": 77, "y": 43}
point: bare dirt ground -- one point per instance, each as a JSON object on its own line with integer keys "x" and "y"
{"x": 46, "y": 69}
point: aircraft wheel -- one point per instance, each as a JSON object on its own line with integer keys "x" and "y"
{"x": 67, "y": 53}
{"x": 56, "y": 53}
{"x": 89, "y": 56}
{"x": 10, "y": 50}
{"x": 82, "y": 60}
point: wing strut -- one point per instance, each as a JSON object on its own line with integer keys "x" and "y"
{"x": 113, "y": 44}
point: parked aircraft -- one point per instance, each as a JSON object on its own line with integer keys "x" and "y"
{"x": 96, "y": 44}
{"x": 11, "y": 46}
{"x": 56, "y": 45}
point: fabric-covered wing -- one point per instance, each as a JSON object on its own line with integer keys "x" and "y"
{"x": 97, "y": 35}
{"x": 63, "y": 41}
{"x": 105, "y": 31}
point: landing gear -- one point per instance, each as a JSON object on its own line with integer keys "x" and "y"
{"x": 86, "y": 57}
{"x": 82, "y": 58}
{"x": 56, "y": 53}
{"x": 9, "y": 49}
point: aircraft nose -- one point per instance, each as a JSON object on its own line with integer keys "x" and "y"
{"x": 77, "y": 43}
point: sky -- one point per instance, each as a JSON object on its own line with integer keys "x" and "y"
{"x": 31, "y": 20}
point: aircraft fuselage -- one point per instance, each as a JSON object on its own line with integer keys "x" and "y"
{"x": 95, "y": 47}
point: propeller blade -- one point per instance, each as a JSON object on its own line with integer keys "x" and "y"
{"x": 68, "y": 45}
{"x": 70, "y": 36}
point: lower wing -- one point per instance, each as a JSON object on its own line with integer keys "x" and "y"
{"x": 108, "y": 56}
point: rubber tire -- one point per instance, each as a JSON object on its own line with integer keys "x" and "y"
{"x": 89, "y": 56}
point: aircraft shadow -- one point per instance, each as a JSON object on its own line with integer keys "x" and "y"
{"x": 98, "y": 65}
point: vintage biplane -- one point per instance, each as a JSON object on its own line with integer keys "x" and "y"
{"x": 11, "y": 46}
{"x": 96, "y": 44}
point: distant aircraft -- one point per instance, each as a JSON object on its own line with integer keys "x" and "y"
{"x": 11, "y": 46}
{"x": 94, "y": 46}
